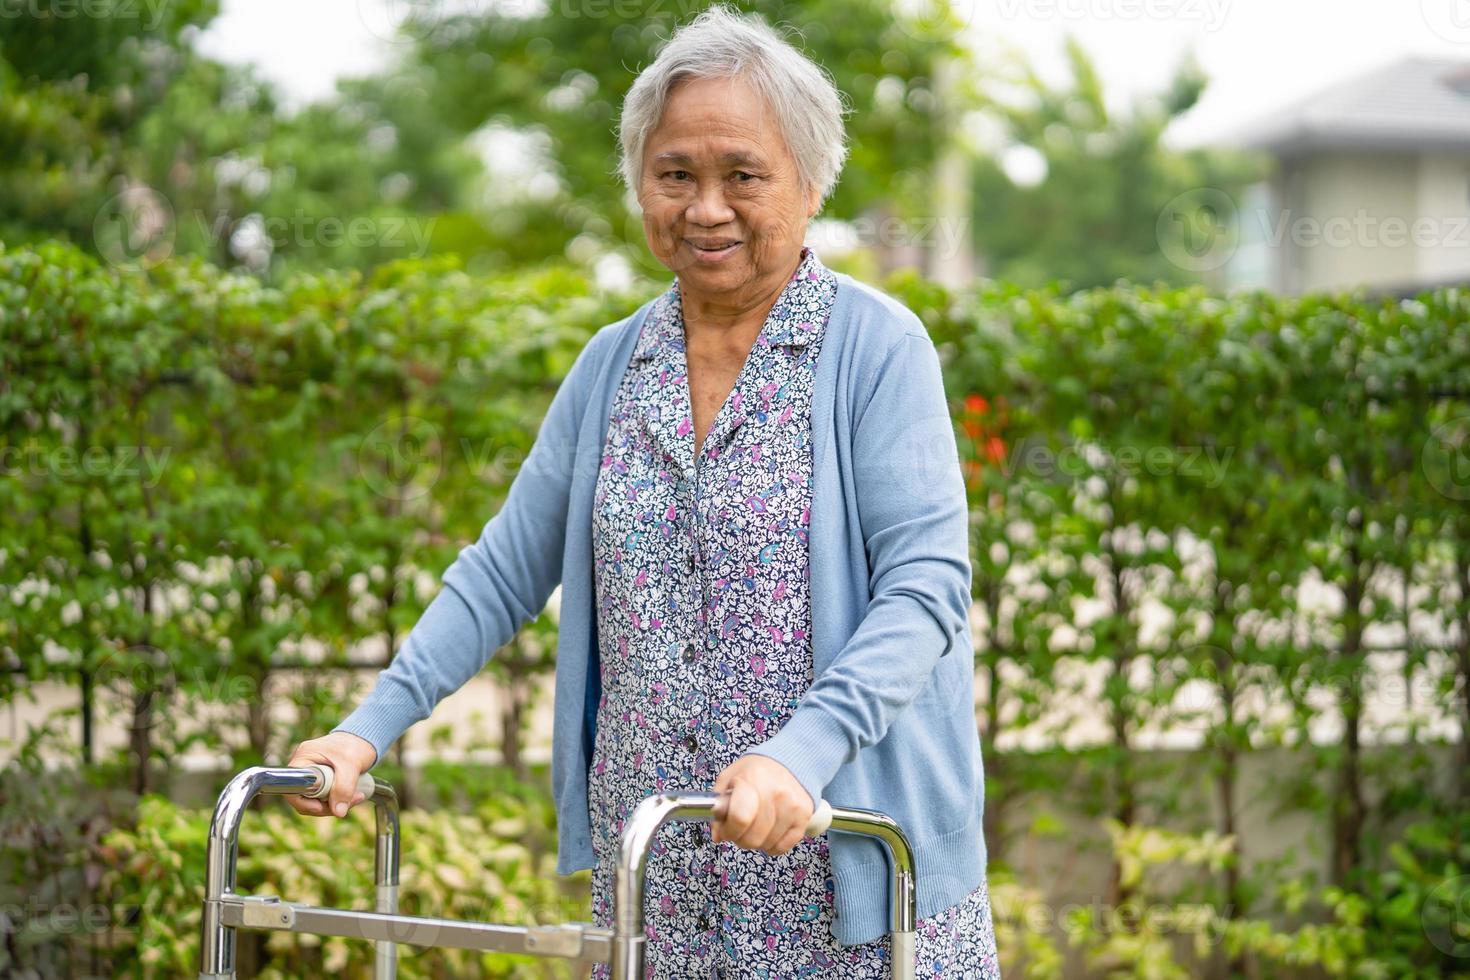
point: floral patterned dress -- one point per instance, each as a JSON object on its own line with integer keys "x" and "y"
{"x": 704, "y": 621}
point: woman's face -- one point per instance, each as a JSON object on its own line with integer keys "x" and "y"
{"x": 716, "y": 172}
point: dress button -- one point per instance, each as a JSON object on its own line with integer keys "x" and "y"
{"x": 691, "y": 743}
{"x": 689, "y": 653}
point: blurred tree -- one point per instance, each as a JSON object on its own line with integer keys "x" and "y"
{"x": 560, "y": 75}
{"x": 1085, "y": 206}
{"x": 71, "y": 88}
{"x": 353, "y": 181}
{"x": 117, "y": 136}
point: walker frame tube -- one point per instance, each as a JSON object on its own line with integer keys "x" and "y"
{"x": 622, "y": 947}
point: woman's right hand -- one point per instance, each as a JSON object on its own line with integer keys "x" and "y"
{"x": 350, "y": 755}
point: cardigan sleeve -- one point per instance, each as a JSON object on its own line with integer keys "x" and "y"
{"x": 914, "y": 516}
{"x": 495, "y": 585}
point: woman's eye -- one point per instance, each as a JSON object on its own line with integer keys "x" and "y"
{"x": 743, "y": 175}
{"x": 678, "y": 174}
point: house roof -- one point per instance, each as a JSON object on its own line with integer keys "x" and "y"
{"x": 1417, "y": 103}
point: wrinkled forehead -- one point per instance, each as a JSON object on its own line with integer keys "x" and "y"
{"x": 716, "y": 116}
{"x": 695, "y": 157}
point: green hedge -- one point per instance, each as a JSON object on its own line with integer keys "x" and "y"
{"x": 471, "y": 864}
{"x": 206, "y": 471}
{"x": 203, "y": 472}
{"x": 1247, "y": 515}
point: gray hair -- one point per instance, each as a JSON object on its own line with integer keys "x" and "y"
{"x": 721, "y": 43}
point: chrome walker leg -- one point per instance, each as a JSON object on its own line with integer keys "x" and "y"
{"x": 621, "y": 947}
{"x": 645, "y": 820}
{"x": 217, "y": 939}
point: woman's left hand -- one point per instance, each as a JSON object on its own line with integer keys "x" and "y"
{"x": 767, "y": 808}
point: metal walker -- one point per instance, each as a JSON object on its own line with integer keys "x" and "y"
{"x": 621, "y": 947}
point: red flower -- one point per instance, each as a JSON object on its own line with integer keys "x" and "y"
{"x": 984, "y": 434}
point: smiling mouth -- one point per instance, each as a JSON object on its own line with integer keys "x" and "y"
{"x": 714, "y": 251}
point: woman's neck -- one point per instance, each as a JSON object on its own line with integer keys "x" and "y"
{"x": 724, "y": 320}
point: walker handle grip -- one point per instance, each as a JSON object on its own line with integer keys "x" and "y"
{"x": 366, "y": 785}
{"x": 815, "y": 827}
{"x": 821, "y": 819}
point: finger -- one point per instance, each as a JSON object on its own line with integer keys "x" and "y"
{"x": 740, "y": 812}
{"x": 779, "y": 832}
{"x": 722, "y": 781}
{"x": 298, "y": 802}
{"x": 717, "y": 824}
{"x": 722, "y": 799}
{"x": 300, "y": 759}
{"x": 307, "y": 806}
{"x": 761, "y": 824}
{"x": 344, "y": 788}
{"x": 765, "y": 827}
{"x": 305, "y": 756}
{"x": 781, "y": 843}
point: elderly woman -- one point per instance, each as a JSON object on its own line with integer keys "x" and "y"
{"x": 750, "y": 495}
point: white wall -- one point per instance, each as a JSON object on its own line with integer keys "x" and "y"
{"x": 1342, "y": 220}
{"x": 1444, "y": 200}
{"x": 1353, "y": 224}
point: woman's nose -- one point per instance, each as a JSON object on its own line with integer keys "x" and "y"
{"x": 709, "y": 207}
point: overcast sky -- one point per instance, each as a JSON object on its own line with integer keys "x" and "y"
{"x": 1260, "y": 54}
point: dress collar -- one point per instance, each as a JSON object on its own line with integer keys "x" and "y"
{"x": 797, "y": 315}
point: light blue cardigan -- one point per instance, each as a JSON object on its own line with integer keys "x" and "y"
{"x": 888, "y": 724}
